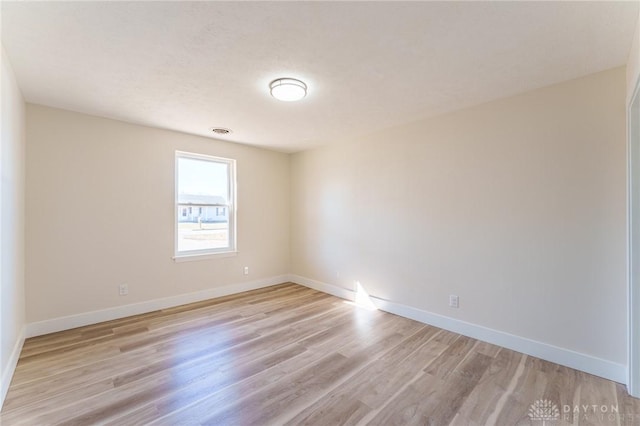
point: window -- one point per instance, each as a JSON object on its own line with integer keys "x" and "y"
{"x": 207, "y": 183}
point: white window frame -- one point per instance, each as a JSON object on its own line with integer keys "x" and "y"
{"x": 231, "y": 206}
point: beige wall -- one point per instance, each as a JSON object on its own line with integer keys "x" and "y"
{"x": 633, "y": 63}
{"x": 12, "y": 303}
{"x": 100, "y": 213}
{"x": 516, "y": 206}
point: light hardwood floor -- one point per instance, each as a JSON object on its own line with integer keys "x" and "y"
{"x": 290, "y": 355}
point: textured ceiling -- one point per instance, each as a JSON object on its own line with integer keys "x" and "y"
{"x": 189, "y": 66}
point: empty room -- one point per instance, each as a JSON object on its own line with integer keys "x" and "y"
{"x": 323, "y": 213}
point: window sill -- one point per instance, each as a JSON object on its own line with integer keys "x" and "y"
{"x": 204, "y": 256}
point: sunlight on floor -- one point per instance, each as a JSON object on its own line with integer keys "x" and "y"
{"x": 362, "y": 298}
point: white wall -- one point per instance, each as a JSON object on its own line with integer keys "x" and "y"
{"x": 516, "y": 206}
{"x": 633, "y": 77}
{"x": 121, "y": 177}
{"x": 12, "y": 304}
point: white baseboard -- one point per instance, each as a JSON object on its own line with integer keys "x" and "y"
{"x": 94, "y": 317}
{"x": 7, "y": 373}
{"x": 323, "y": 287}
{"x": 567, "y": 357}
{"x": 583, "y": 362}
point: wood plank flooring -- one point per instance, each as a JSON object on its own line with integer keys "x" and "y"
{"x": 288, "y": 355}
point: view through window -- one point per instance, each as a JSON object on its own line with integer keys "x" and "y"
{"x": 205, "y": 212}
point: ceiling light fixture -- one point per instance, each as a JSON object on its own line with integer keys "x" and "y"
{"x": 288, "y": 89}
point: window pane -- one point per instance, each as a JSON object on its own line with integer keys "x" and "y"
{"x": 207, "y": 230}
{"x": 201, "y": 180}
{"x": 204, "y": 227}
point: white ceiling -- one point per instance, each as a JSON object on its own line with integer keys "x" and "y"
{"x": 189, "y": 66}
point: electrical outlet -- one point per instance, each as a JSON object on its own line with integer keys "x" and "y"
{"x": 454, "y": 302}
{"x": 124, "y": 289}
{"x": 246, "y": 270}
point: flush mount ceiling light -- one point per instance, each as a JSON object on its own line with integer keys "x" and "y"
{"x": 288, "y": 89}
